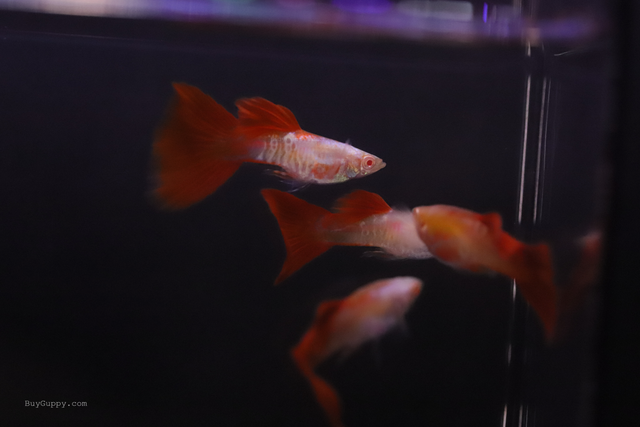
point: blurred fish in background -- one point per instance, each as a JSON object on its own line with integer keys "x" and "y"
{"x": 341, "y": 326}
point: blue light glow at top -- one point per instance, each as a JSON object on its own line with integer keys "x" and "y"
{"x": 414, "y": 19}
{"x": 363, "y": 6}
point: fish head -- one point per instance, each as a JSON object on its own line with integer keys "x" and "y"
{"x": 406, "y": 288}
{"x": 456, "y": 222}
{"x": 438, "y": 222}
{"x": 367, "y": 164}
{"x": 457, "y": 236}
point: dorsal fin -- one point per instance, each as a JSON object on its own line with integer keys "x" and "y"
{"x": 360, "y": 202}
{"x": 492, "y": 220}
{"x": 259, "y": 117}
{"x": 354, "y": 207}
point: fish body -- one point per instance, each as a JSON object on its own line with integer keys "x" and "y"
{"x": 341, "y": 326}
{"x": 309, "y": 158}
{"x": 201, "y": 144}
{"x": 359, "y": 219}
{"x": 393, "y": 232}
{"x": 476, "y": 242}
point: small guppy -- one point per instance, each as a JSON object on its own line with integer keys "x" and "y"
{"x": 360, "y": 218}
{"x": 200, "y": 145}
{"x": 341, "y": 326}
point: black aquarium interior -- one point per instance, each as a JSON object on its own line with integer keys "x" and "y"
{"x": 161, "y": 317}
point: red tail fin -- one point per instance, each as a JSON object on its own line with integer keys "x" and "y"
{"x": 534, "y": 277}
{"x": 194, "y": 148}
{"x": 325, "y": 394}
{"x": 298, "y": 222}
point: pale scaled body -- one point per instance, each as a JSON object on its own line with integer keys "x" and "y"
{"x": 370, "y": 312}
{"x": 394, "y": 232}
{"x": 306, "y": 157}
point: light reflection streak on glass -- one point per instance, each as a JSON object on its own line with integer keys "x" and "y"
{"x": 520, "y": 413}
{"x": 542, "y": 133}
{"x": 504, "y": 416}
{"x": 485, "y": 9}
{"x": 523, "y": 161}
{"x": 523, "y": 417}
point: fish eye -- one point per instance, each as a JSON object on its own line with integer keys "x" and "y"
{"x": 368, "y": 162}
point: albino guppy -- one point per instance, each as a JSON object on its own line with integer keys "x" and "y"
{"x": 200, "y": 145}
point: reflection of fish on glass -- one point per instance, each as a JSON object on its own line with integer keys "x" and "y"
{"x": 455, "y": 236}
{"x": 465, "y": 239}
{"x": 341, "y": 326}
{"x": 200, "y": 145}
{"x": 360, "y": 218}
{"x": 584, "y": 276}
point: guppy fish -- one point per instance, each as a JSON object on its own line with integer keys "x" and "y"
{"x": 341, "y": 326}
{"x": 475, "y": 242}
{"x": 361, "y": 218}
{"x": 201, "y": 145}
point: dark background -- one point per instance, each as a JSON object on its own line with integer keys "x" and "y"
{"x": 619, "y": 393}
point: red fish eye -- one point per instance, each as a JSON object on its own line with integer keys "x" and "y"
{"x": 369, "y": 162}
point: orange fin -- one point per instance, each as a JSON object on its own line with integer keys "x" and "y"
{"x": 325, "y": 394}
{"x": 355, "y": 207}
{"x": 328, "y": 399}
{"x": 535, "y": 279}
{"x": 259, "y": 117}
{"x": 298, "y": 222}
{"x": 194, "y": 149}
